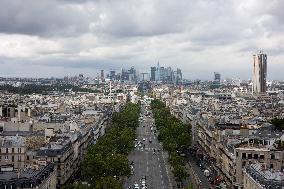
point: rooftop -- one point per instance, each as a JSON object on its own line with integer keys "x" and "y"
{"x": 25, "y": 178}
{"x": 12, "y": 141}
{"x": 265, "y": 177}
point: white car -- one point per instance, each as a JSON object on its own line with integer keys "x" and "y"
{"x": 144, "y": 139}
{"x": 136, "y": 186}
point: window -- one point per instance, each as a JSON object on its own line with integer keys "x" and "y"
{"x": 255, "y": 156}
{"x": 28, "y": 158}
{"x": 19, "y": 150}
{"x": 265, "y": 142}
{"x": 19, "y": 158}
{"x": 272, "y": 156}
{"x": 249, "y": 156}
{"x": 261, "y": 156}
{"x": 7, "y": 150}
{"x": 12, "y": 150}
{"x": 6, "y": 157}
{"x": 13, "y": 159}
{"x": 271, "y": 166}
{"x": 237, "y": 154}
{"x": 244, "y": 155}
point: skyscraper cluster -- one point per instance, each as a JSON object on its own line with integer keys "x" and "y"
{"x": 167, "y": 75}
{"x": 129, "y": 75}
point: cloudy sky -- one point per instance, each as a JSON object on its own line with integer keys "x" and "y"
{"x": 45, "y": 38}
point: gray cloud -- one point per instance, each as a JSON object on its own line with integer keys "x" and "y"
{"x": 43, "y": 18}
{"x": 200, "y": 36}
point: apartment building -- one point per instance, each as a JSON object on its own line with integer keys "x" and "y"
{"x": 257, "y": 176}
{"x": 39, "y": 177}
{"x": 13, "y": 151}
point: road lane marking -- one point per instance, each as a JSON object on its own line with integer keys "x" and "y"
{"x": 171, "y": 186}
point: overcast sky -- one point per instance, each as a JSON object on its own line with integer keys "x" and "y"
{"x": 45, "y": 38}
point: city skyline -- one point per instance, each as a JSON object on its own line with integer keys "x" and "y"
{"x": 87, "y": 36}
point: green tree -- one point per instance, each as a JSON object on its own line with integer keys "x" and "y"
{"x": 108, "y": 183}
{"x": 180, "y": 173}
{"x": 278, "y": 123}
{"x": 75, "y": 185}
{"x": 108, "y": 157}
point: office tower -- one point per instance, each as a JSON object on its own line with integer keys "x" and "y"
{"x": 168, "y": 74}
{"x": 112, "y": 75}
{"x": 217, "y": 78}
{"x": 259, "y": 72}
{"x": 102, "y": 74}
{"x": 175, "y": 77}
{"x": 153, "y": 71}
{"x": 81, "y": 78}
{"x": 124, "y": 75}
{"x": 162, "y": 73}
{"x": 133, "y": 74}
{"x": 158, "y": 73}
{"x": 179, "y": 76}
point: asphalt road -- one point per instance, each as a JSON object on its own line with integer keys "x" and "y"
{"x": 149, "y": 159}
{"x": 204, "y": 183}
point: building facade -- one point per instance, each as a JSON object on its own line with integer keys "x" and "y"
{"x": 41, "y": 177}
{"x": 259, "y": 72}
{"x": 153, "y": 71}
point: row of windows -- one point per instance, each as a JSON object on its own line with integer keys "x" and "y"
{"x": 6, "y": 150}
{"x": 271, "y": 166}
{"x": 255, "y": 156}
{"x": 6, "y": 158}
{"x": 252, "y": 156}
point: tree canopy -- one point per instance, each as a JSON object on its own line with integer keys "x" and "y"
{"x": 106, "y": 161}
{"x": 175, "y": 136}
{"x": 278, "y": 123}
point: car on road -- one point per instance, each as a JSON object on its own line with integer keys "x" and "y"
{"x": 150, "y": 141}
{"x": 136, "y": 186}
{"x": 144, "y": 139}
{"x": 143, "y": 183}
